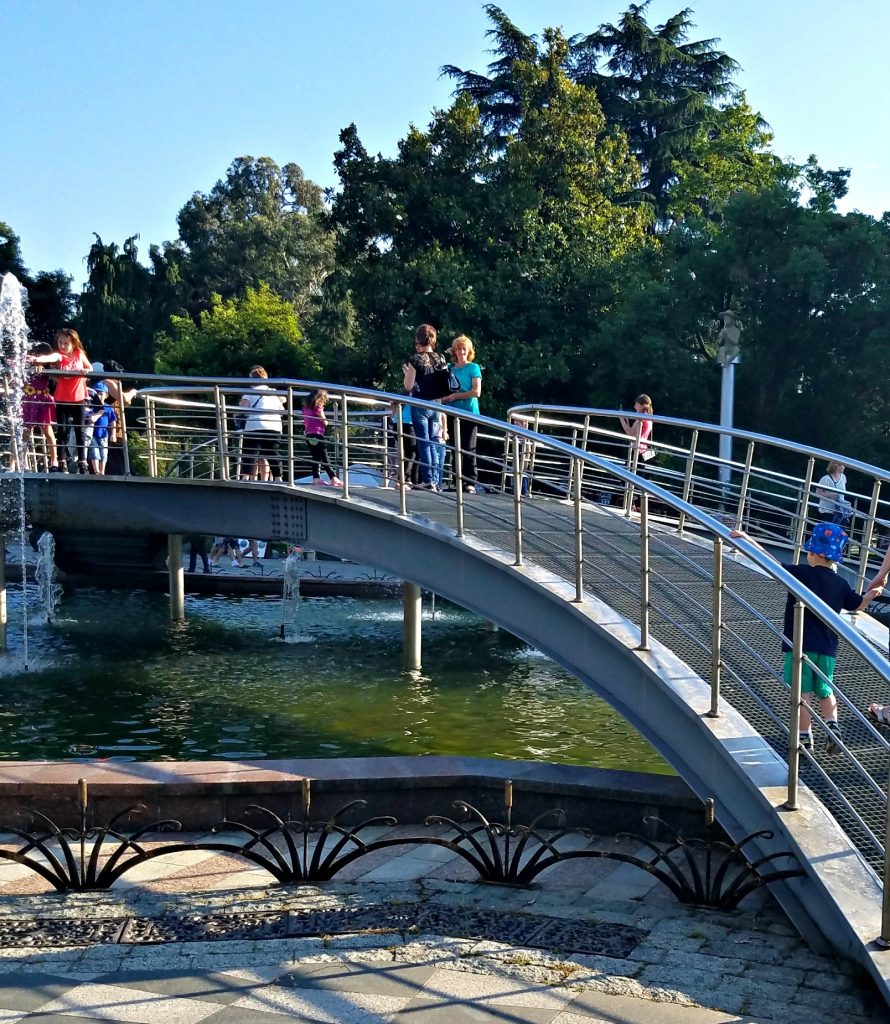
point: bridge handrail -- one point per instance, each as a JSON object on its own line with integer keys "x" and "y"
{"x": 514, "y": 467}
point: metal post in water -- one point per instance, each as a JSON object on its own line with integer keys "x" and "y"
{"x": 177, "y": 577}
{"x": 794, "y": 719}
{"x": 644, "y": 572}
{"x": 716, "y": 629}
{"x": 412, "y": 619}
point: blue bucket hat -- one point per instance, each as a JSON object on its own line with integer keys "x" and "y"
{"x": 828, "y": 540}
{"x": 100, "y": 386}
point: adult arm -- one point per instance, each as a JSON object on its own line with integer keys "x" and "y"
{"x": 474, "y": 392}
{"x": 880, "y": 577}
{"x": 632, "y": 429}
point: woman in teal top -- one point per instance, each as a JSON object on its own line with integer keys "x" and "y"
{"x": 469, "y": 376}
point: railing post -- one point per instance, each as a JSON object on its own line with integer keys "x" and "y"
{"x": 151, "y": 423}
{"x": 743, "y": 489}
{"x": 716, "y": 629}
{"x": 291, "y": 427}
{"x": 400, "y": 456}
{"x": 644, "y": 572}
{"x": 220, "y": 434}
{"x": 517, "y": 499}
{"x": 125, "y": 442}
{"x": 687, "y": 480}
{"x": 633, "y": 455}
{"x": 794, "y": 718}
{"x": 800, "y": 531}
{"x": 532, "y": 452}
{"x": 868, "y": 533}
{"x": 458, "y": 477}
{"x": 585, "y": 438}
{"x": 883, "y": 940}
{"x": 579, "y": 535}
{"x": 345, "y": 418}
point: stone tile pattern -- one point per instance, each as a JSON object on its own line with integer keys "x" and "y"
{"x": 657, "y": 961}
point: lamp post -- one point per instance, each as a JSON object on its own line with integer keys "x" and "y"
{"x": 728, "y": 356}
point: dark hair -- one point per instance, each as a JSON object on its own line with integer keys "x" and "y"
{"x": 426, "y": 335}
{"x": 41, "y": 348}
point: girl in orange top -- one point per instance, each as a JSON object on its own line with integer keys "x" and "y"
{"x": 71, "y": 393}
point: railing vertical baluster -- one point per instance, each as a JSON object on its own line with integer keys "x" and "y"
{"x": 687, "y": 480}
{"x": 125, "y": 442}
{"x": 400, "y": 456}
{"x": 794, "y": 719}
{"x": 716, "y": 629}
{"x": 345, "y": 429}
{"x": 801, "y": 530}
{"x": 579, "y": 535}
{"x": 531, "y": 452}
{"x": 631, "y": 463}
{"x": 585, "y": 438}
{"x": 868, "y": 533}
{"x": 224, "y": 435}
{"x": 458, "y": 477}
{"x": 517, "y": 499}
{"x": 291, "y": 427}
{"x": 883, "y": 940}
{"x": 644, "y": 571}
{"x": 152, "y": 437}
{"x": 743, "y": 489}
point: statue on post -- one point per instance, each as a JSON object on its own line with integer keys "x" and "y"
{"x": 729, "y": 349}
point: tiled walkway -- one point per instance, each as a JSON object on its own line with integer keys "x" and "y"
{"x": 678, "y": 965}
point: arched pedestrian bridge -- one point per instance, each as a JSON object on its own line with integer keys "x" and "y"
{"x": 669, "y": 620}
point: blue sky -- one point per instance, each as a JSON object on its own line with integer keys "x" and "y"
{"x": 113, "y": 114}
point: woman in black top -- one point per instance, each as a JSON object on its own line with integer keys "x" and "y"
{"x": 422, "y": 381}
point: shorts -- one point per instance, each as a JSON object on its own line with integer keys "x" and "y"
{"x": 98, "y": 449}
{"x": 809, "y": 681}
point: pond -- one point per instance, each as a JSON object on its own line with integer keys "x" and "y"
{"x": 113, "y": 679}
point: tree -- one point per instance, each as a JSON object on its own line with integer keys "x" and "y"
{"x": 125, "y": 303}
{"x": 50, "y": 300}
{"x": 235, "y": 334}
{"x": 508, "y": 245}
{"x": 262, "y": 224}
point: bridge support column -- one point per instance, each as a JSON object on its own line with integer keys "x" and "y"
{"x": 412, "y": 618}
{"x": 177, "y": 577}
{"x": 3, "y": 594}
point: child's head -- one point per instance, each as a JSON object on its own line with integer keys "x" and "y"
{"x": 317, "y": 399}
{"x": 826, "y": 544}
{"x": 101, "y": 389}
{"x": 68, "y": 340}
{"x": 41, "y": 348}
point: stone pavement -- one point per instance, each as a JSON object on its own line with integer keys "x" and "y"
{"x": 406, "y": 937}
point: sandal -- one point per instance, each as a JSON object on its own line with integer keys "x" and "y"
{"x": 879, "y": 713}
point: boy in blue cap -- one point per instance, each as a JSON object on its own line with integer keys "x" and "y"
{"x": 825, "y": 549}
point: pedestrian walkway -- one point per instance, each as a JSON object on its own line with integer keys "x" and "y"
{"x": 407, "y": 938}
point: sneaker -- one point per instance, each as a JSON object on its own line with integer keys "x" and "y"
{"x": 833, "y": 745}
{"x": 235, "y": 564}
{"x": 83, "y": 468}
{"x": 319, "y": 483}
{"x": 55, "y": 469}
{"x": 806, "y": 740}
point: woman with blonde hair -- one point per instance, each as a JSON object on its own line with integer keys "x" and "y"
{"x": 262, "y": 429}
{"x": 831, "y": 490}
{"x": 469, "y": 377}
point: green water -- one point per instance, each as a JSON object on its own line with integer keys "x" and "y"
{"x": 112, "y": 678}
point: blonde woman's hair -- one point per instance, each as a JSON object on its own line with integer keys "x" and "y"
{"x": 258, "y": 371}
{"x": 471, "y": 351}
{"x": 645, "y": 401}
{"x": 834, "y": 467}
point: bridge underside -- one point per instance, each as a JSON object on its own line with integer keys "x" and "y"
{"x": 660, "y": 694}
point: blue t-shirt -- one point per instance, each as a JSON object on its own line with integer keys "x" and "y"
{"x": 101, "y": 425}
{"x": 466, "y": 375}
{"x": 834, "y": 591}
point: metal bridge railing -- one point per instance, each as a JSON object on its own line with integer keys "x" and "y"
{"x": 571, "y": 489}
{"x": 770, "y": 489}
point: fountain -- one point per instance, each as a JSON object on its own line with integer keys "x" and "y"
{"x": 48, "y": 590}
{"x": 290, "y": 596}
{"x": 14, "y": 344}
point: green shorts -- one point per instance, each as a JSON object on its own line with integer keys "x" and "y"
{"x": 809, "y": 681}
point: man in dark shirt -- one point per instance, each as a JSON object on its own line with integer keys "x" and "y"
{"x": 824, "y": 549}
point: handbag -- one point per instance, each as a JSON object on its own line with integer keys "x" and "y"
{"x": 648, "y": 454}
{"x": 241, "y": 417}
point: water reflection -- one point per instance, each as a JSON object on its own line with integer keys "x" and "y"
{"x": 112, "y": 678}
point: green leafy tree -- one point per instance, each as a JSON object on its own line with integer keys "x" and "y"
{"x": 125, "y": 303}
{"x": 262, "y": 224}
{"x": 50, "y": 299}
{"x": 235, "y": 334}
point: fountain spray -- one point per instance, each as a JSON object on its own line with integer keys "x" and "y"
{"x": 14, "y": 339}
